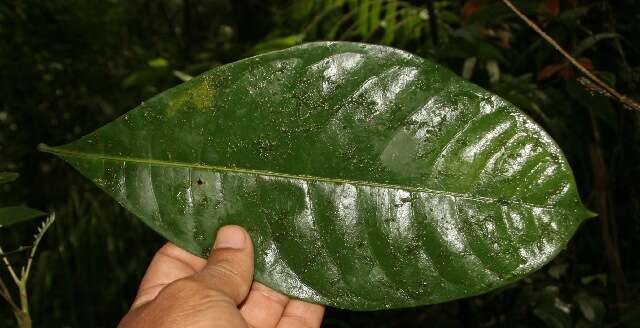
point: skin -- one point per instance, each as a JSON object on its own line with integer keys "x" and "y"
{"x": 182, "y": 290}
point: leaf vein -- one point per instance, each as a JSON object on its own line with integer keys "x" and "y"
{"x": 237, "y": 170}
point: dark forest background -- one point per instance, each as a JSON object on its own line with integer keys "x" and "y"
{"x": 68, "y": 67}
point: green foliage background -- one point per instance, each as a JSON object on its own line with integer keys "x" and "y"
{"x": 68, "y": 67}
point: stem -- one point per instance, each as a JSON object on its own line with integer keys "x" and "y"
{"x": 22, "y": 313}
{"x": 4, "y": 292}
{"x": 24, "y": 321}
{"x": 10, "y": 268}
{"x": 628, "y": 102}
{"x": 18, "y": 250}
{"x": 24, "y": 305}
{"x": 41, "y": 231}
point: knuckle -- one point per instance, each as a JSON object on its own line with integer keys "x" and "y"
{"x": 227, "y": 279}
{"x": 227, "y": 272}
{"x": 193, "y": 292}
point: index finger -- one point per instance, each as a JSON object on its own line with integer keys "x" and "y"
{"x": 301, "y": 314}
{"x": 169, "y": 264}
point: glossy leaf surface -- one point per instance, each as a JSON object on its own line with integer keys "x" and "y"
{"x": 16, "y": 214}
{"x": 368, "y": 178}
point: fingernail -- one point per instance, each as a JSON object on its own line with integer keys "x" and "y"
{"x": 230, "y": 237}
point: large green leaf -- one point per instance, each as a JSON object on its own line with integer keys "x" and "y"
{"x": 368, "y": 178}
{"x": 16, "y": 214}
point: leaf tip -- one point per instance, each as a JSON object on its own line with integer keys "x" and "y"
{"x": 589, "y": 214}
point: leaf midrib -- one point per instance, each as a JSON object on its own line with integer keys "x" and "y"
{"x": 155, "y": 162}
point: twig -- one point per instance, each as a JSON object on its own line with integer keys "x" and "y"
{"x": 18, "y": 250}
{"x": 7, "y": 295}
{"x": 22, "y": 312}
{"x": 626, "y": 101}
{"x": 43, "y": 228}
{"x": 10, "y": 268}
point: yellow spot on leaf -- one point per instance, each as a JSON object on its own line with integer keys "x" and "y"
{"x": 198, "y": 95}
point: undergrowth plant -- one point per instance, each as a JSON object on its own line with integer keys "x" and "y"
{"x": 8, "y": 217}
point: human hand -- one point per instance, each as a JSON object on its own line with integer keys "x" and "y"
{"x": 182, "y": 290}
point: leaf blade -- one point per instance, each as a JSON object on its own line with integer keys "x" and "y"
{"x": 344, "y": 160}
{"x": 16, "y": 214}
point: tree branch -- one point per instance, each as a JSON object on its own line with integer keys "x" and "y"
{"x": 597, "y": 83}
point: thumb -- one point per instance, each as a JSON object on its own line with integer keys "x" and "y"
{"x": 229, "y": 269}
